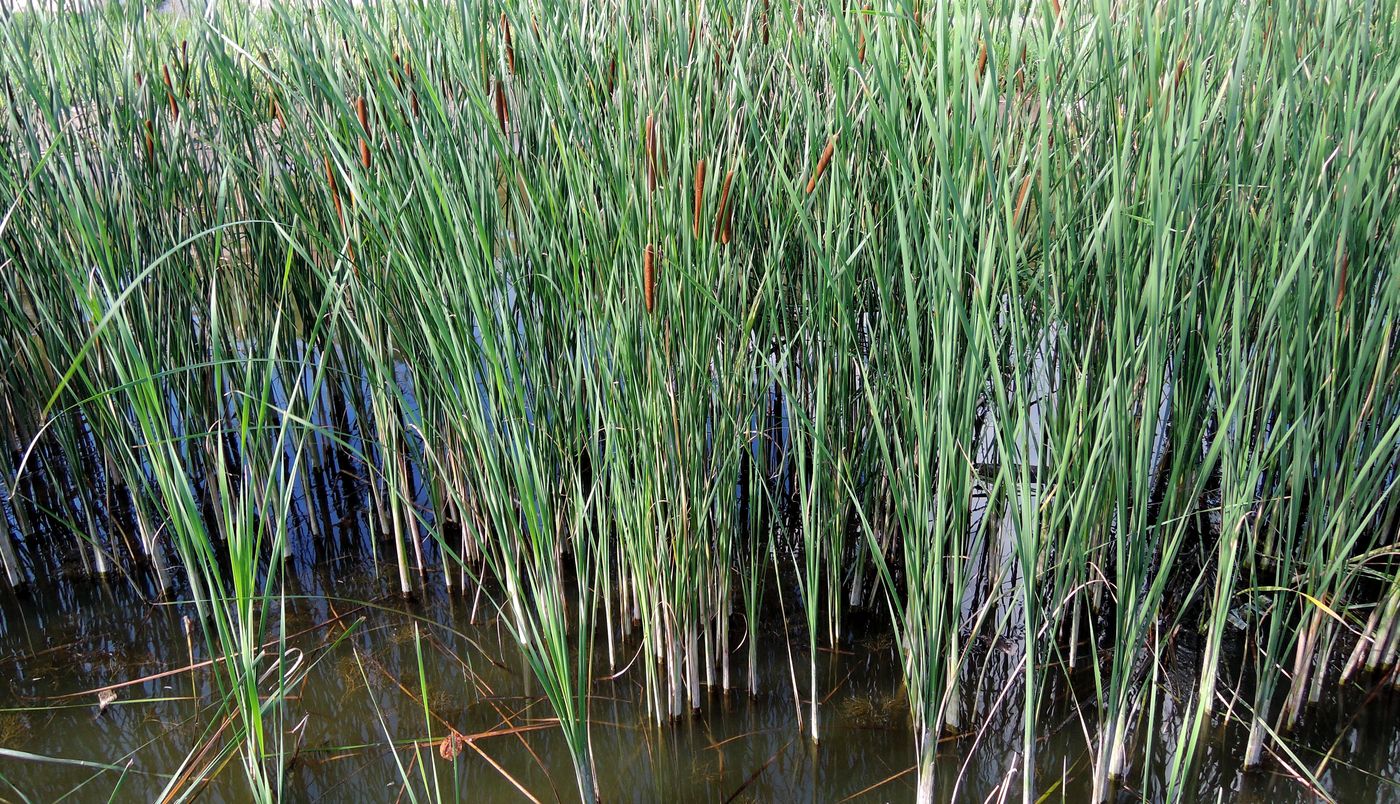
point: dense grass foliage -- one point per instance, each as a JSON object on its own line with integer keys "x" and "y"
{"x": 1065, "y": 326}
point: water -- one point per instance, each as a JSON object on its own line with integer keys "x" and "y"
{"x": 364, "y": 691}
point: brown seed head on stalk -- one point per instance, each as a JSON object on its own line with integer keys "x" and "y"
{"x": 150, "y": 142}
{"x": 169, "y": 92}
{"x": 502, "y": 112}
{"x": 981, "y": 61}
{"x": 510, "y": 44}
{"x": 699, "y": 193}
{"x": 1055, "y": 7}
{"x": 335, "y": 193}
{"x": 722, "y": 218}
{"x": 821, "y": 164}
{"x": 649, "y": 277}
{"x": 363, "y": 114}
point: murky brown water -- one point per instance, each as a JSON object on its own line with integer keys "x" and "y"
{"x": 358, "y": 725}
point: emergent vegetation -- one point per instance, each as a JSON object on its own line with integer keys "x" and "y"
{"x": 1067, "y": 326}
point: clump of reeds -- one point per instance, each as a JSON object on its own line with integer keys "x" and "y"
{"x": 1055, "y": 368}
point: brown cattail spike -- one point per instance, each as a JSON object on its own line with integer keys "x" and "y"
{"x": 510, "y": 44}
{"x": 169, "y": 92}
{"x": 821, "y": 164}
{"x": 699, "y": 193}
{"x": 1055, "y": 7}
{"x": 981, "y": 61}
{"x": 335, "y": 194}
{"x": 362, "y": 113}
{"x": 649, "y": 277}
{"x": 722, "y": 219}
{"x": 150, "y": 142}
{"x": 502, "y": 113}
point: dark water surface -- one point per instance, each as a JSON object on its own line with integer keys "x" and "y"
{"x": 357, "y": 725}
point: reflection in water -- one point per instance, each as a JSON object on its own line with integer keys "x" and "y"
{"x": 361, "y": 723}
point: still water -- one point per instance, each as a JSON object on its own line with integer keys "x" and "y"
{"x": 360, "y": 725}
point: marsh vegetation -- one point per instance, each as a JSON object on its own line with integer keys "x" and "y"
{"x": 694, "y": 345}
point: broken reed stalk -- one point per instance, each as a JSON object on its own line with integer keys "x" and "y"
{"x": 722, "y": 218}
{"x": 363, "y": 115}
{"x": 699, "y": 194}
{"x": 649, "y": 277}
{"x": 821, "y": 164}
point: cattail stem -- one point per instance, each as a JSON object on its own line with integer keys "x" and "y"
{"x": 699, "y": 193}
{"x": 1341, "y": 277}
{"x": 649, "y": 277}
{"x": 821, "y": 164}
{"x": 722, "y": 219}
{"x": 651, "y": 154}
